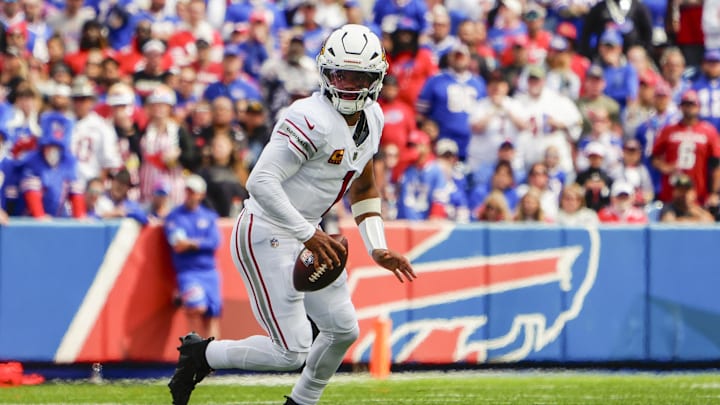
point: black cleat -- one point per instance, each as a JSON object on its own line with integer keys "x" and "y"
{"x": 290, "y": 401}
{"x": 192, "y": 367}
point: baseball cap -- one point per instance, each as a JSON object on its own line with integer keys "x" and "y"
{"x": 534, "y": 11}
{"x": 153, "y": 45}
{"x": 461, "y": 48}
{"x": 202, "y": 43}
{"x": 632, "y": 144}
{"x": 558, "y": 43}
{"x": 195, "y": 183}
{"x": 595, "y": 71}
{"x": 682, "y": 180}
{"x": 123, "y": 177}
{"x": 506, "y": 144}
{"x": 690, "y": 97}
{"x": 662, "y": 89}
{"x": 649, "y": 78}
{"x": 162, "y": 95}
{"x": 60, "y": 89}
{"x": 712, "y": 55}
{"x": 611, "y": 37}
{"x": 567, "y": 30}
{"x": 81, "y": 87}
{"x": 161, "y": 188}
{"x": 620, "y": 187}
{"x": 407, "y": 24}
{"x": 595, "y": 148}
{"x": 536, "y": 71}
{"x": 418, "y": 137}
{"x": 446, "y": 146}
{"x": 513, "y": 5}
{"x": 255, "y": 106}
{"x": 233, "y": 51}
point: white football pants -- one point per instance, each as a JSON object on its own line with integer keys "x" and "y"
{"x": 265, "y": 256}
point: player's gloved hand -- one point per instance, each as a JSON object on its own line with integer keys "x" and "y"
{"x": 324, "y": 249}
{"x": 396, "y": 263}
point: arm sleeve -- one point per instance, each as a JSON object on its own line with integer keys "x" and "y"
{"x": 277, "y": 163}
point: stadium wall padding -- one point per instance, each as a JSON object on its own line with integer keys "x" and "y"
{"x": 103, "y": 291}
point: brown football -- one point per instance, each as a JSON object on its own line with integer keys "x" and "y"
{"x": 307, "y": 278}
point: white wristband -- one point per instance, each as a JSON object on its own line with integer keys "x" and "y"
{"x": 366, "y": 206}
{"x": 372, "y": 231}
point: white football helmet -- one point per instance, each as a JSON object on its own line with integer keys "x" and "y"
{"x": 352, "y": 66}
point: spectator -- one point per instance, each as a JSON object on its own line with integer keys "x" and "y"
{"x": 38, "y": 30}
{"x": 516, "y": 70}
{"x": 440, "y": 39}
{"x": 234, "y": 83}
{"x": 690, "y": 146}
{"x": 166, "y": 148}
{"x": 192, "y": 232}
{"x": 153, "y": 73}
{"x": 206, "y": 69}
{"x": 672, "y": 68}
{"x": 385, "y": 164}
{"x": 387, "y": 13}
{"x": 160, "y": 17}
{"x": 457, "y": 208}
{"x": 641, "y": 111}
{"x": 22, "y": 125}
{"x": 225, "y": 193}
{"x": 92, "y": 40}
{"x": 566, "y": 30}
{"x": 539, "y": 178}
{"x": 94, "y": 143}
{"x": 635, "y": 173}
{"x": 410, "y": 63}
{"x": 554, "y": 120}
{"x": 529, "y": 208}
{"x": 495, "y": 120}
{"x": 538, "y": 38}
{"x": 68, "y": 23}
{"x": 254, "y": 124}
{"x": 423, "y": 191}
{"x": 474, "y": 34}
{"x": 159, "y": 206}
{"x": 707, "y": 89}
{"x": 290, "y": 73}
{"x": 684, "y": 28}
{"x": 306, "y": 23}
{"x": 223, "y": 122}
{"x": 48, "y": 176}
{"x": 448, "y": 98}
{"x": 573, "y": 211}
{"x": 96, "y": 202}
{"x": 399, "y": 122}
{"x": 502, "y": 180}
{"x": 684, "y": 206}
{"x": 560, "y": 76}
{"x": 257, "y": 44}
{"x": 183, "y": 35}
{"x": 630, "y": 19}
{"x": 621, "y": 78}
{"x": 118, "y": 204}
{"x": 494, "y": 209}
{"x": 557, "y": 176}
{"x": 507, "y": 24}
{"x": 603, "y": 141}
{"x": 621, "y": 208}
{"x": 593, "y": 97}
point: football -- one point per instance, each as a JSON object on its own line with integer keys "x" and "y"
{"x": 308, "y": 278}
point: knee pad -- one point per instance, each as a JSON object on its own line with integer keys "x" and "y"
{"x": 293, "y": 360}
{"x": 347, "y": 337}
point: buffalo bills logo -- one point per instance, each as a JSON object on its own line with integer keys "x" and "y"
{"x": 504, "y": 296}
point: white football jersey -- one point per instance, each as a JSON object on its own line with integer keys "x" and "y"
{"x": 95, "y": 146}
{"x": 318, "y": 134}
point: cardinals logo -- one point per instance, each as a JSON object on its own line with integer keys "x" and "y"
{"x": 501, "y": 298}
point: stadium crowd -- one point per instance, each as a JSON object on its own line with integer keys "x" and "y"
{"x": 563, "y": 111}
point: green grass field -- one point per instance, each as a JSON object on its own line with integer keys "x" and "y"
{"x": 479, "y": 387}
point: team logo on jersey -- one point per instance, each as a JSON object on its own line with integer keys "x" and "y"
{"x": 337, "y": 156}
{"x": 274, "y": 242}
{"x": 309, "y": 125}
{"x": 203, "y": 223}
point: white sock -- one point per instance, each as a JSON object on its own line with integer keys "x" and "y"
{"x": 326, "y": 354}
{"x": 257, "y": 353}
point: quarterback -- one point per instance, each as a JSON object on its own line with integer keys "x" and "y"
{"x": 321, "y": 147}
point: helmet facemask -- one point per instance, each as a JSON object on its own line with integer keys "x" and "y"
{"x": 352, "y": 66}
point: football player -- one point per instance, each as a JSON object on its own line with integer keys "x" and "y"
{"x": 321, "y": 147}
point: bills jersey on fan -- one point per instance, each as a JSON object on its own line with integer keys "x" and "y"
{"x": 319, "y": 136}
